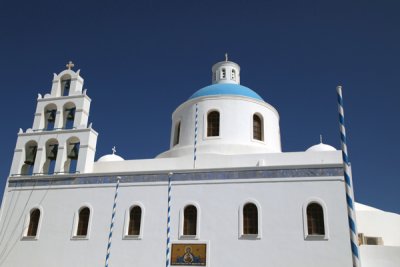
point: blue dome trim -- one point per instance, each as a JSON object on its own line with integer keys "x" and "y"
{"x": 226, "y": 89}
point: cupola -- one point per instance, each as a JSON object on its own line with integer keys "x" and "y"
{"x": 226, "y": 72}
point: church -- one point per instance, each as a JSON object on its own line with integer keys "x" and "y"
{"x": 224, "y": 194}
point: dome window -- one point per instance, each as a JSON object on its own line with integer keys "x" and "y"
{"x": 257, "y": 128}
{"x": 177, "y": 133}
{"x": 213, "y": 123}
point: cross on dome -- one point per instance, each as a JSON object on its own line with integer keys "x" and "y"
{"x": 226, "y": 56}
{"x": 113, "y": 150}
{"x": 320, "y": 138}
{"x": 70, "y": 65}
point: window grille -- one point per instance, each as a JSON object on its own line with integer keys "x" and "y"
{"x": 250, "y": 219}
{"x": 135, "y": 216}
{"x": 257, "y": 128}
{"x": 177, "y": 133}
{"x": 190, "y": 220}
{"x": 315, "y": 219}
{"x": 213, "y": 123}
{"x": 83, "y": 222}
{"x": 33, "y": 222}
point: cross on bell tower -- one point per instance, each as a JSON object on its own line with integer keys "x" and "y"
{"x": 70, "y": 65}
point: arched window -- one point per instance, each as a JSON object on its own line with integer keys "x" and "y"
{"x": 213, "y": 123}
{"x": 34, "y": 218}
{"x": 315, "y": 219}
{"x": 250, "y": 219}
{"x": 83, "y": 222}
{"x": 177, "y": 133}
{"x": 233, "y": 75}
{"x": 257, "y": 127}
{"x": 189, "y": 220}
{"x": 135, "y": 217}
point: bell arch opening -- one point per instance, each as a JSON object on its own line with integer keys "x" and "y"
{"x": 30, "y": 157}
{"x": 51, "y": 156}
{"x": 71, "y": 163}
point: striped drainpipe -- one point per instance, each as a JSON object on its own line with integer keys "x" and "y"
{"x": 195, "y": 136}
{"x": 348, "y": 180}
{"x": 168, "y": 252}
{"x": 112, "y": 222}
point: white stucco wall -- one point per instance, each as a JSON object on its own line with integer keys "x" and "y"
{"x": 282, "y": 224}
{"x": 378, "y": 223}
{"x": 380, "y": 256}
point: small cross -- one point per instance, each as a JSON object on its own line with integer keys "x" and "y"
{"x": 226, "y": 56}
{"x": 70, "y": 65}
{"x": 114, "y": 150}
{"x": 320, "y": 138}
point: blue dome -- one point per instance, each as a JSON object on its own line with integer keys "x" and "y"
{"x": 226, "y": 89}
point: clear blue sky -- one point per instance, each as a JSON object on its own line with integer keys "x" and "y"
{"x": 141, "y": 59}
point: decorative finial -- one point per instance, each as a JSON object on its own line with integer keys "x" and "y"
{"x": 70, "y": 65}
{"x": 320, "y": 138}
{"x": 114, "y": 150}
{"x": 226, "y": 56}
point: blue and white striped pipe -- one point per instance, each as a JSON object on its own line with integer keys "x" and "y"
{"x": 348, "y": 180}
{"x": 168, "y": 252}
{"x": 112, "y": 222}
{"x": 195, "y": 136}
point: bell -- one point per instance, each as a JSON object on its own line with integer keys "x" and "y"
{"x": 30, "y": 155}
{"x": 53, "y": 152}
{"x": 70, "y": 113}
{"x": 67, "y": 84}
{"x": 52, "y": 115}
{"x": 74, "y": 151}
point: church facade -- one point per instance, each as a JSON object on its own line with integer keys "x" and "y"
{"x": 224, "y": 194}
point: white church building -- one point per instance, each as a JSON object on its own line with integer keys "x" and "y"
{"x": 224, "y": 193}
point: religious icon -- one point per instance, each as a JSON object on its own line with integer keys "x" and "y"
{"x": 188, "y": 254}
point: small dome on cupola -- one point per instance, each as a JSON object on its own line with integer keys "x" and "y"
{"x": 321, "y": 147}
{"x": 110, "y": 157}
{"x": 226, "y": 81}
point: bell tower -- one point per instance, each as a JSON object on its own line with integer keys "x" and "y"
{"x": 60, "y": 140}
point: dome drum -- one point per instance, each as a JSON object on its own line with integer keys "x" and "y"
{"x": 235, "y": 133}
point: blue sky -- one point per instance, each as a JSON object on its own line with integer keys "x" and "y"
{"x": 141, "y": 59}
